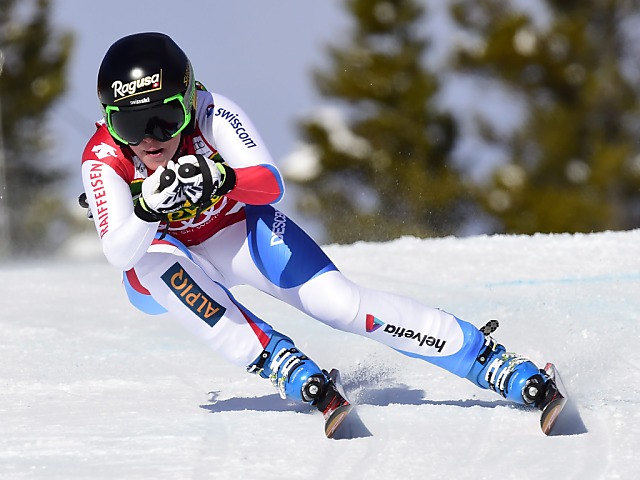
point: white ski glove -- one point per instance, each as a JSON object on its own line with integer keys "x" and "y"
{"x": 200, "y": 177}
{"x": 162, "y": 192}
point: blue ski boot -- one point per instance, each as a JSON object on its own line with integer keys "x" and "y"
{"x": 297, "y": 377}
{"x": 513, "y": 376}
{"x": 294, "y": 374}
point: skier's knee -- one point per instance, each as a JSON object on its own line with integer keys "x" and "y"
{"x": 332, "y": 299}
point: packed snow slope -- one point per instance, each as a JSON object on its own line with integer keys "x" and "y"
{"x": 91, "y": 388}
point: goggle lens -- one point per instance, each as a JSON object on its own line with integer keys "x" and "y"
{"x": 161, "y": 122}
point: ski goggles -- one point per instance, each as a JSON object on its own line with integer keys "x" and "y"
{"x": 162, "y": 122}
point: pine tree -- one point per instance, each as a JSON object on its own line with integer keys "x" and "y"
{"x": 575, "y": 164}
{"x": 32, "y": 79}
{"x": 380, "y": 164}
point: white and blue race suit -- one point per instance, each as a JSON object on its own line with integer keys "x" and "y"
{"x": 188, "y": 265}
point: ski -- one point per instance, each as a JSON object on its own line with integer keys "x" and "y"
{"x": 337, "y": 408}
{"x": 554, "y": 400}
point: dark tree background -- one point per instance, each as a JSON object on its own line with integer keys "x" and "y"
{"x": 383, "y": 166}
{"x": 32, "y": 79}
{"x": 574, "y": 164}
{"x": 387, "y": 173}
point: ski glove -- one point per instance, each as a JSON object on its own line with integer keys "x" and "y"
{"x": 192, "y": 177}
{"x": 162, "y": 193}
{"x": 203, "y": 179}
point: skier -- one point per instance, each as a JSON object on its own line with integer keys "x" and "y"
{"x": 181, "y": 189}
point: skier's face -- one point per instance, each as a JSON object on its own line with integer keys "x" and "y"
{"x": 155, "y": 153}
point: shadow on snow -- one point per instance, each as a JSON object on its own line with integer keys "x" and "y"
{"x": 363, "y": 392}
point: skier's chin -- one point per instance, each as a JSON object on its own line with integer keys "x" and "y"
{"x": 154, "y": 153}
{"x": 155, "y": 159}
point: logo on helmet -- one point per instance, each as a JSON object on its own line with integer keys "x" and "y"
{"x": 140, "y": 86}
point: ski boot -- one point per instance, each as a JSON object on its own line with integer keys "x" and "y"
{"x": 513, "y": 376}
{"x": 293, "y": 374}
{"x": 298, "y": 377}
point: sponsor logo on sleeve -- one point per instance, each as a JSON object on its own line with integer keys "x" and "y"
{"x": 101, "y": 215}
{"x": 236, "y": 124}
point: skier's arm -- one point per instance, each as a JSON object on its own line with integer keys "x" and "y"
{"x": 257, "y": 185}
{"x": 125, "y": 237}
{"x": 258, "y": 181}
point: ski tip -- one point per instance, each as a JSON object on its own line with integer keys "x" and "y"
{"x": 334, "y": 375}
{"x": 555, "y": 400}
{"x": 337, "y": 417}
{"x": 338, "y": 409}
{"x": 550, "y": 415}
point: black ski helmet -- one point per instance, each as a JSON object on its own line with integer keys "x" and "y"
{"x": 146, "y": 87}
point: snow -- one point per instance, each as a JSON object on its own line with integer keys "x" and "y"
{"x": 91, "y": 388}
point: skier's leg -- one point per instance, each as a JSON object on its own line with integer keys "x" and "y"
{"x": 287, "y": 264}
{"x": 449, "y": 342}
{"x": 169, "y": 279}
